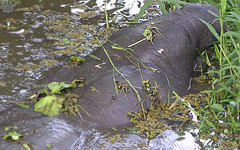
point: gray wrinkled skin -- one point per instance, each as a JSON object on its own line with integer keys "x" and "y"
{"x": 173, "y": 54}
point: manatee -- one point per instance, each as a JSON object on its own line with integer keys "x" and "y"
{"x": 166, "y": 61}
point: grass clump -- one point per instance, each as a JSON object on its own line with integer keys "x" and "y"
{"x": 218, "y": 108}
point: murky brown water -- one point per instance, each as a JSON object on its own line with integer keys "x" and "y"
{"x": 29, "y": 48}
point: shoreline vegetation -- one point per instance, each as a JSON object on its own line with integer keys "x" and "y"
{"x": 219, "y": 109}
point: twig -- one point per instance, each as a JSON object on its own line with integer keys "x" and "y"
{"x": 136, "y": 42}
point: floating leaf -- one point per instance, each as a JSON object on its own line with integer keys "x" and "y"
{"x": 1, "y": 84}
{"x": 94, "y": 57}
{"x": 23, "y": 105}
{"x": 94, "y": 89}
{"x": 49, "y": 105}
{"x": 14, "y": 135}
{"x": 56, "y": 87}
{"x": 180, "y": 138}
{"x": 49, "y": 146}
{"x": 66, "y": 41}
{"x": 77, "y": 59}
{"x": 26, "y": 147}
{"x": 10, "y": 127}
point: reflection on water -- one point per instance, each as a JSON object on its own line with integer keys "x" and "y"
{"x": 95, "y": 139}
{"x": 132, "y": 6}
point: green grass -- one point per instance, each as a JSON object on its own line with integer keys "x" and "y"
{"x": 223, "y": 102}
{"x": 226, "y": 86}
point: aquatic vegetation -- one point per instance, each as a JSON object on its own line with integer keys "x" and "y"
{"x": 49, "y": 146}
{"x": 94, "y": 57}
{"x": 150, "y": 90}
{"x": 158, "y": 115}
{"x": 149, "y": 33}
{"x": 49, "y": 105}
{"x": 56, "y": 98}
{"x": 26, "y": 146}
{"x": 28, "y": 66}
{"x": 1, "y": 84}
{"x": 13, "y": 135}
{"x": 49, "y": 62}
{"x": 75, "y": 61}
{"x": 70, "y": 104}
{"x": 89, "y": 14}
{"x": 122, "y": 87}
{"x": 2, "y": 26}
{"x": 115, "y": 138}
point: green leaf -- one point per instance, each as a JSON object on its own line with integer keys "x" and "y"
{"x": 210, "y": 124}
{"x": 56, "y": 87}
{"x": 14, "y": 135}
{"x": 23, "y": 105}
{"x": 218, "y": 107}
{"x": 210, "y": 27}
{"x": 234, "y": 34}
{"x": 26, "y": 147}
{"x": 77, "y": 59}
{"x": 49, "y": 146}
{"x": 94, "y": 57}
{"x": 66, "y": 41}
{"x": 180, "y": 138}
{"x": 223, "y": 5}
{"x": 143, "y": 9}
{"x": 94, "y": 89}
{"x": 162, "y": 6}
{"x": 10, "y": 127}
{"x": 49, "y": 105}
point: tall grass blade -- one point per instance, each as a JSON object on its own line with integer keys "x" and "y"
{"x": 162, "y": 6}
{"x": 211, "y": 28}
{"x": 143, "y": 9}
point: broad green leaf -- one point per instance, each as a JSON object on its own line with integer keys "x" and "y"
{"x": 218, "y": 107}
{"x": 14, "y": 135}
{"x": 49, "y": 105}
{"x": 56, "y": 87}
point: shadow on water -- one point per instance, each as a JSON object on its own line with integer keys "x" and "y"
{"x": 31, "y": 45}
